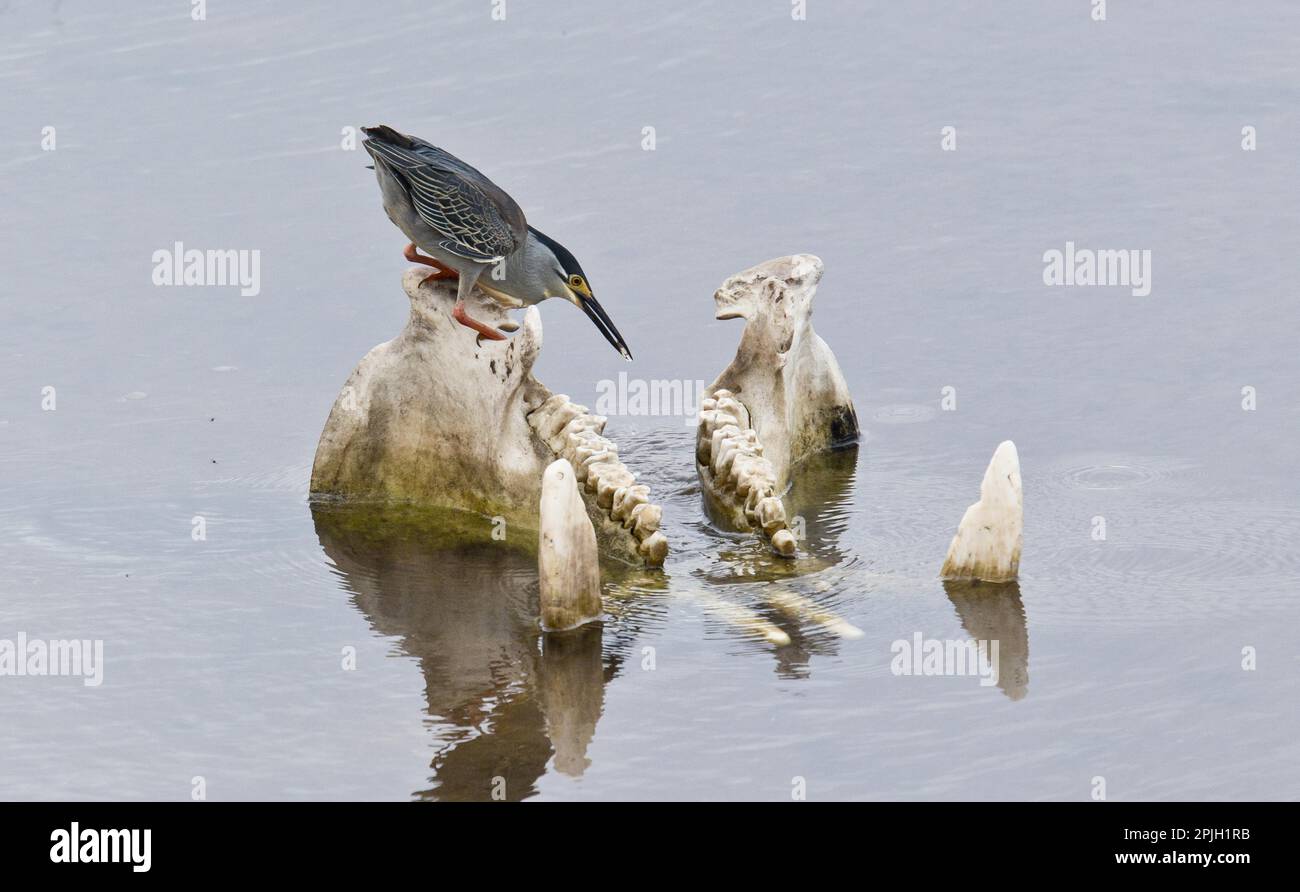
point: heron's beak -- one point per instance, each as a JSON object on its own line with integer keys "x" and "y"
{"x": 587, "y": 301}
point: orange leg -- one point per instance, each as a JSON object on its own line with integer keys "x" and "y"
{"x": 443, "y": 272}
{"x": 458, "y": 313}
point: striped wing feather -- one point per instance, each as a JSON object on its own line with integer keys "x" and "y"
{"x": 477, "y": 218}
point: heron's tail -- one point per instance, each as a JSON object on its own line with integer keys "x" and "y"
{"x": 387, "y": 134}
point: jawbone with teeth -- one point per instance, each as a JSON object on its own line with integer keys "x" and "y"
{"x": 781, "y": 400}
{"x": 436, "y": 417}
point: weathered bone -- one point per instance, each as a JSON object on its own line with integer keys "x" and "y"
{"x": 785, "y": 377}
{"x": 988, "y": 540}
{"x": 782, "y": 399}
{"x": 436, "y": 417}
{"x": 568, "y": 566}
{"x": 646, "y": 520}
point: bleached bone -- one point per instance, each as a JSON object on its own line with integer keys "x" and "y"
{"x": 783, "y": 375}
{"x": 617, "y": 503}
{"x": 645, "y": 520}
{"x": 568, "y": 566}
{"x": 628, "y": 498}
{"x": 654, "y": 548}
{"x": 797, "y": 606}
{"x": 988, "y": 540}
{"x": 437, "y": 417}
{"x": 782, "y": 399}
{"x": 743, "y": 618}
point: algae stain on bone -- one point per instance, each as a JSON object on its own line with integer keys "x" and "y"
{"x": 436, "y": 417}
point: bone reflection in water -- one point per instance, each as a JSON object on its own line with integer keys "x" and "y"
{"x": 464, "y": 606}
{"x": 995, "y": 612}
{"x": 819, "y": 505}
{"x": 572, "y": 690}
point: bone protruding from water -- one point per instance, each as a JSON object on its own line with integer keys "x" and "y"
{"x": 437, "y": 417}
{"x": 568, "y": 562}
{"x": 739, "y": 479}
{"x": 575, "y": 434}
{"x": 781, "y": 400}
{"x": 784, "y": 382}
{"x": 988, "y": 540}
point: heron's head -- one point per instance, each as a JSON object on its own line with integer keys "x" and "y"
{"x": 563, "y": 277}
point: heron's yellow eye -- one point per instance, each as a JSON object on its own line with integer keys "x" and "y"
{"x": 575, "y": 281}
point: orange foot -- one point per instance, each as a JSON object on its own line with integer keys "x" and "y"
{"x": 443, "y": 272}
{"x": 458, "y": 313}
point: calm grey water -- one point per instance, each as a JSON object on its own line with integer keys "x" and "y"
{"x": 1123, "y": 657}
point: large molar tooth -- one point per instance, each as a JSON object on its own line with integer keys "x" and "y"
{"x": 725, "y": 448}
{"x": 761, "y": 490}
{"x": 554, "y": 421}
{"x": 552, "y": 403}
{"x": 703, "y": 443}
{"x": 729, "y": 430}
{"x": 783, "y": 543}
{"x": 654, "y": 548}
{"x": 712, "y": 420}
{"x": 628, "y": 498}
{"x": 723, "y": 419}
{"x": 645, "y": 520}
{"x": 744, "y": 444}
{"x": 583, "y": 443}
{"x": 595, "y": 449}
{"x": 602, "y": 467}
{"x": 609, "y": 483}
{"x": 743, "y": 475}
{"x": 593, "y": 423}
{"x": 542, "y": 417}
{"x": 570, "y": 428}
{"x": 771, "y": 515}
{"x": 732, "y": 451}
{"x": 735, "y": 408}
{"x": 755, "y": 474}
{"x": 606, "y": 456}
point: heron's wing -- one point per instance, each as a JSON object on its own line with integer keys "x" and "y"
{"x": 477, "y": 218}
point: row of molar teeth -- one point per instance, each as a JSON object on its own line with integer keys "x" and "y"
{"x": 729, "y": 448}
{"x": 574, "y": 434}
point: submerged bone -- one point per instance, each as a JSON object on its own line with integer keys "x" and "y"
{"x": 771, "y": 515}
{"x": 645, "y": 520}
{"x": 436, "y": 417}
{"x": 988, "y": 540}
{"x": 743, "y": 618}
{"x": 795, "y": 605}
{"x": 783, "y": 542}
{"x": 567, "y": 559}
{"x": 654, "y": 548}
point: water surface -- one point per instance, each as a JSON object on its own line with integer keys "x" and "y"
{"x": 1121, "y": 658}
